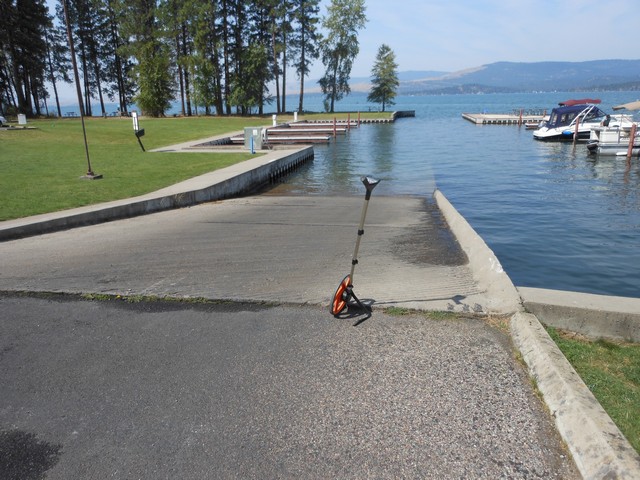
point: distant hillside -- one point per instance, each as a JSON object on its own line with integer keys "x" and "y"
{"x": 508, "y": 77}
{"x": 527, "y": 77}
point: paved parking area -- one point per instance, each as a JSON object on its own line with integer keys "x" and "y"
{"x": 165, "y": 390}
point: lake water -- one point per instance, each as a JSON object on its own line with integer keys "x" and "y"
{"x": 554, "y": 216}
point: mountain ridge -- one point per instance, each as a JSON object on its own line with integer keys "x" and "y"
{"x": 512, "y": 77}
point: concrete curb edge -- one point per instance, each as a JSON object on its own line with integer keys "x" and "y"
{"x": 598, "y": 447}
{"x": 484, "y": 264}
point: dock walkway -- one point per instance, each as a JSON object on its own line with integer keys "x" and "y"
{"x": 502, "y": 118}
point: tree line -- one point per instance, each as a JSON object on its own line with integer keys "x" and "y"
{"x": 211, "y": 56}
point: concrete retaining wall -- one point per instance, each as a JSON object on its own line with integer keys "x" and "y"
{"x": 486, "y": 268}
{"x": 224, "y": 183}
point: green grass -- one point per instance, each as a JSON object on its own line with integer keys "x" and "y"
{"x": 612, "y": 373}
{"x": 41, "y": 168}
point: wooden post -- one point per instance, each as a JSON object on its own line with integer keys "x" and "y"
{"x": 334, "y": 127}
{"x": 632, "y": 136}
{"x": 348, "y": 121}
{"x": 520, "y": 119}
{"x": 575, "y": 134}
{"x": 358, "y": 119}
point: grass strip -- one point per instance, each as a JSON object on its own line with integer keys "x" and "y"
{"x": 612, "y": 373}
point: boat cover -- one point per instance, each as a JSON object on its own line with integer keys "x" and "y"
{"x": 582, "y": 101}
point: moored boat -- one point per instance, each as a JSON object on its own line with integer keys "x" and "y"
{"x": 613, "y": 141}
{"x": 570, "y": 119}
{"x": 616, "y": 139}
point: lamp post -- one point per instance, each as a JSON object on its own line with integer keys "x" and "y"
{"x": 90, "y": 175}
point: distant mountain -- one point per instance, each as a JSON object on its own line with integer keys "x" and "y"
{"x": 527, "y": 77}
{"x": 363, "y": 84}
{"x": 510, "y": 77}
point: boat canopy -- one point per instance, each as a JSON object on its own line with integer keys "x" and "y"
{"x": 563, "y": 116}
{"x": 582, "y": 101}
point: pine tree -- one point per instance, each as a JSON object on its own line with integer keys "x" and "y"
{"x": 384, "y": 78}
{"x": 153, "y": 70}
{"x": 305, "y": 39}
{"x": 58, "y": 62}
{"x": 205, "y": 65}
{"x": 23, "y": 53}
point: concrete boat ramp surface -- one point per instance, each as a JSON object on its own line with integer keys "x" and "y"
{"x": 271, "y": 385}
{"x": 260, "y": 248}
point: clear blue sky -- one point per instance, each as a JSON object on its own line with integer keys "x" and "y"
{"x": 452, "y": 35}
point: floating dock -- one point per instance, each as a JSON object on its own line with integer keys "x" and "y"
{"x": 504, "y": 118}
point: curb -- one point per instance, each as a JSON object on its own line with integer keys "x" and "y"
{"x": 598, "y": 447}
{"x": 595, "y": 316}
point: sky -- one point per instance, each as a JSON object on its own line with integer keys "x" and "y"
{"x": 454, "y": 35}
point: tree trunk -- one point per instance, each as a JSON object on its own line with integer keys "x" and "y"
{"x": 185, "y": 53}
{"x": 52, "y": 78}
{"x": 225, "y": 49}
{"x": 96, "y": 72}
{"x": 180, "y": 79}
{"x": 284, "y": 76}
{"x": 334, "y": 86}
{"x": 276, "y": 72}
{"x": 85, "y": 79}
{"x": 301, "y": 68}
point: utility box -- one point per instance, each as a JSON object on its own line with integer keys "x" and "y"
{"x": 22, "y": 119}
{"x": 253, "y": 138}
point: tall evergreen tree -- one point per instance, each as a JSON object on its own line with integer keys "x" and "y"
{"x": 58, "y": 61}
{"x": 261, "y": 19}
{"x": 90, "y": 27}
{"x": 340, "y": 47}
{"x": 23, "y": 53}
{"x": 205, "y": 65}
{"x": 248, "y": 92}
{"x": 152, "y": 71}
{"x": 384, "y": 78}
{"x": 117, "y": 66}
{"x": 305, "y": 39}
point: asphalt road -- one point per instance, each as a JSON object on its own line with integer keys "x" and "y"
{"x": 236, "y": 390}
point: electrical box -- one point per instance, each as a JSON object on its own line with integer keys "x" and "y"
{"x": 253, "y": 138}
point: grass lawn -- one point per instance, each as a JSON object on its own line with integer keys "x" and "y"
{"x": 612, "y": 373}
{"x": 41, "y": 168}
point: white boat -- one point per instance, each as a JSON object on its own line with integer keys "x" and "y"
{"x": 576, "y": 118}
{"x": 615, "y": 139}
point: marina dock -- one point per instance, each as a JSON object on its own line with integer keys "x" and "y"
{"x": 504, "y": 118}
{"x": 311, "y": 132}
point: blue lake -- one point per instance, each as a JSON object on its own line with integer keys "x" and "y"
{"x": 555, "y": 217}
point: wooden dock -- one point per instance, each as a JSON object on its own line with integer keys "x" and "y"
{"x": 316, "y": 131}
{"x": 503, "y": 118}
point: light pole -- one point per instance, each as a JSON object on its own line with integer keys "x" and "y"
{"x": 90, "y": 175}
